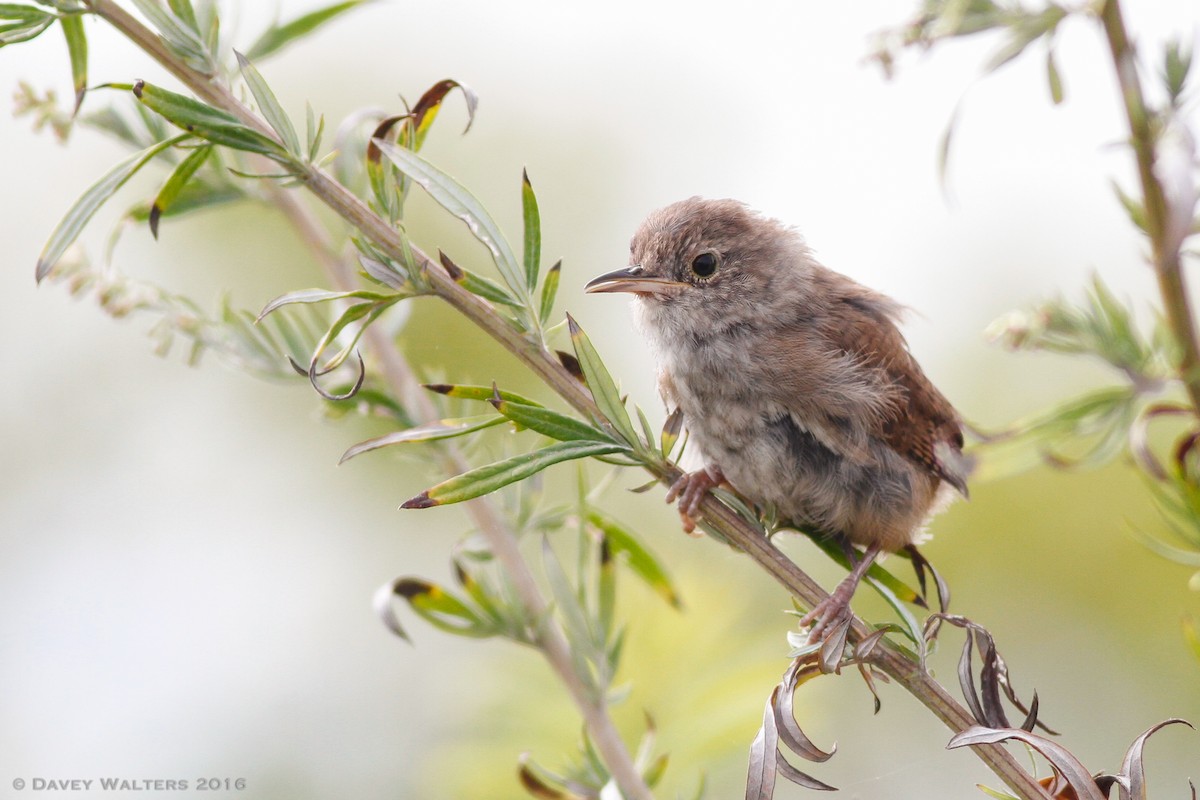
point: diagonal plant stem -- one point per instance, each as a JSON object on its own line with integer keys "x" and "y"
{"x": 1164, "y": 254}
{"x": 905, "y": 672}
{"x": 502, "y": 540}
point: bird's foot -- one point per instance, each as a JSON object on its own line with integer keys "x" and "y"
{"x": 830, "y": 619}
{"x": 689, "y": 490}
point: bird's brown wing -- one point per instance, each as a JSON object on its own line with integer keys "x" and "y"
{"x": 869, "y": 377}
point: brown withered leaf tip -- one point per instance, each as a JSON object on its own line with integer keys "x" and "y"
{"x": 137, "y": 88}
{"x": 374, "y": 154}
{"x": 453, "y": 270}
{"x": 571, "y": 363}
{"x": 420, "y": 501}
{"x": 411, "y": 587}
{"x": 440, "y": 388}
{"x": 155, "y": 215}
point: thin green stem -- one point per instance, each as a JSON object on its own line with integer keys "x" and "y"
{"x": 547, "y": 368}
{"x": 1172, "y": 285}
{"x": 500, "y": 537}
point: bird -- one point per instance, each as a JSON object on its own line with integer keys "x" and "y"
{"x": 795, "y": 384}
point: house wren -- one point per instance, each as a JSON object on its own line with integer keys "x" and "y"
{"x": 794, "y": 383}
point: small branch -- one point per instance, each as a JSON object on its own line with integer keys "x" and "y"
{"x": 547, "y": 368}
{"x": 1164, "y": 253}
{"x": 500, "y": 537}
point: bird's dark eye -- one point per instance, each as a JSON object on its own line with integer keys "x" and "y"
{"x": 704, "y": 265}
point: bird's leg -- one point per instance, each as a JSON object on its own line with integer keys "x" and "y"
{"x": 689, "y": 489}
{"x": 831, "y": 617}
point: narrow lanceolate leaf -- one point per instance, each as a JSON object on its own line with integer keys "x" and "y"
{"x": 278, "y": 36}
{"x": 491, "y": 477}
{"x": 175, "y": 183}
{"x": 178, "y": 33}
{"x": 22, "y": 23}
{"x": 208, "y": 123}
{"x": 72, "y": 26}
{"x": 433, "y": 604}
{"x": 268, "y": 104}
{"x": 313, "y": 132}
{"x": 1054, "y": 78}
{"x": 599, "y": 381}
{"x": 644, "y": 564}
{"x": 184, "y": 11}
{"x": 549, "y": 292}
{"x": 475, "y": 284}
{"x": 319, "y": 296}
{"x": 1075, "y": 773}
{"x": 533, "y": 232}
{"x": 485, "y": 393}
{"x": 567, "y": 604}
{"x": 760, "y": 777}
{"x": 442, "y": 429}
{"x": 453, "y": 197}
{"x": 549, "y": 423}
{"x": 77, "y": 217}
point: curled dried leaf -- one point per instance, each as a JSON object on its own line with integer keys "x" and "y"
{"x": 984, "y": 702}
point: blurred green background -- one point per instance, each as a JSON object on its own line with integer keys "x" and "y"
{"x": 185, "y": 575}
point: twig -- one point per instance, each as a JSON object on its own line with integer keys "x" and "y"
{"x": 500, "y": 537}
{"x": 547, "y": 368}
{"x": 1164, "y": 253}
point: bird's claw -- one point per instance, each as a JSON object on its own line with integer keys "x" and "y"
{"x": 831, "y": 618}
{"x": 830, "y": 621}
{"x": 689, "y": 489}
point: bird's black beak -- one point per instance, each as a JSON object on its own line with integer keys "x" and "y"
{"x": 632, "y": 279}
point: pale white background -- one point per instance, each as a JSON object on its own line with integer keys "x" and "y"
{"x": 185, "y": 575}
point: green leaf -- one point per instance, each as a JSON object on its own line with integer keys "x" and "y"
{"x": 485, "y": 393}
{"x": 320, "y": 296}
{"x": 1025, "y": 31}
{"x": 600, "y": 383}
{"x": 1054, "y": 78}
{"x": 575, "y": 622}
{"x": 72, "y": 26}
{"x": 368, "y": 312}
{"x": 69, "y": 228}
{"x": 442, "y": 429}
{"x": 28, "y": 22}
{"x": 533, "y": 231}
{"x": 549, "y": 423}
{"x": 181, "y": 36}
{"x": 549, "y": 291}
{"x": 184, "y": 11}
{"x": 455, "y": 198}
{"x": 278, "y": 36}
{"x": 437, "y": 607}
{"x": 268, "y": 104}
{"x": 193, "y": 196}
{"x": 313, "y": 133}
{"x": 175, "y": 183}
{"x": 208, "y": 123}
{"x": 486, "y": 479}
{"x": 476, "y": 284}
{"x": 643, "y": 563}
